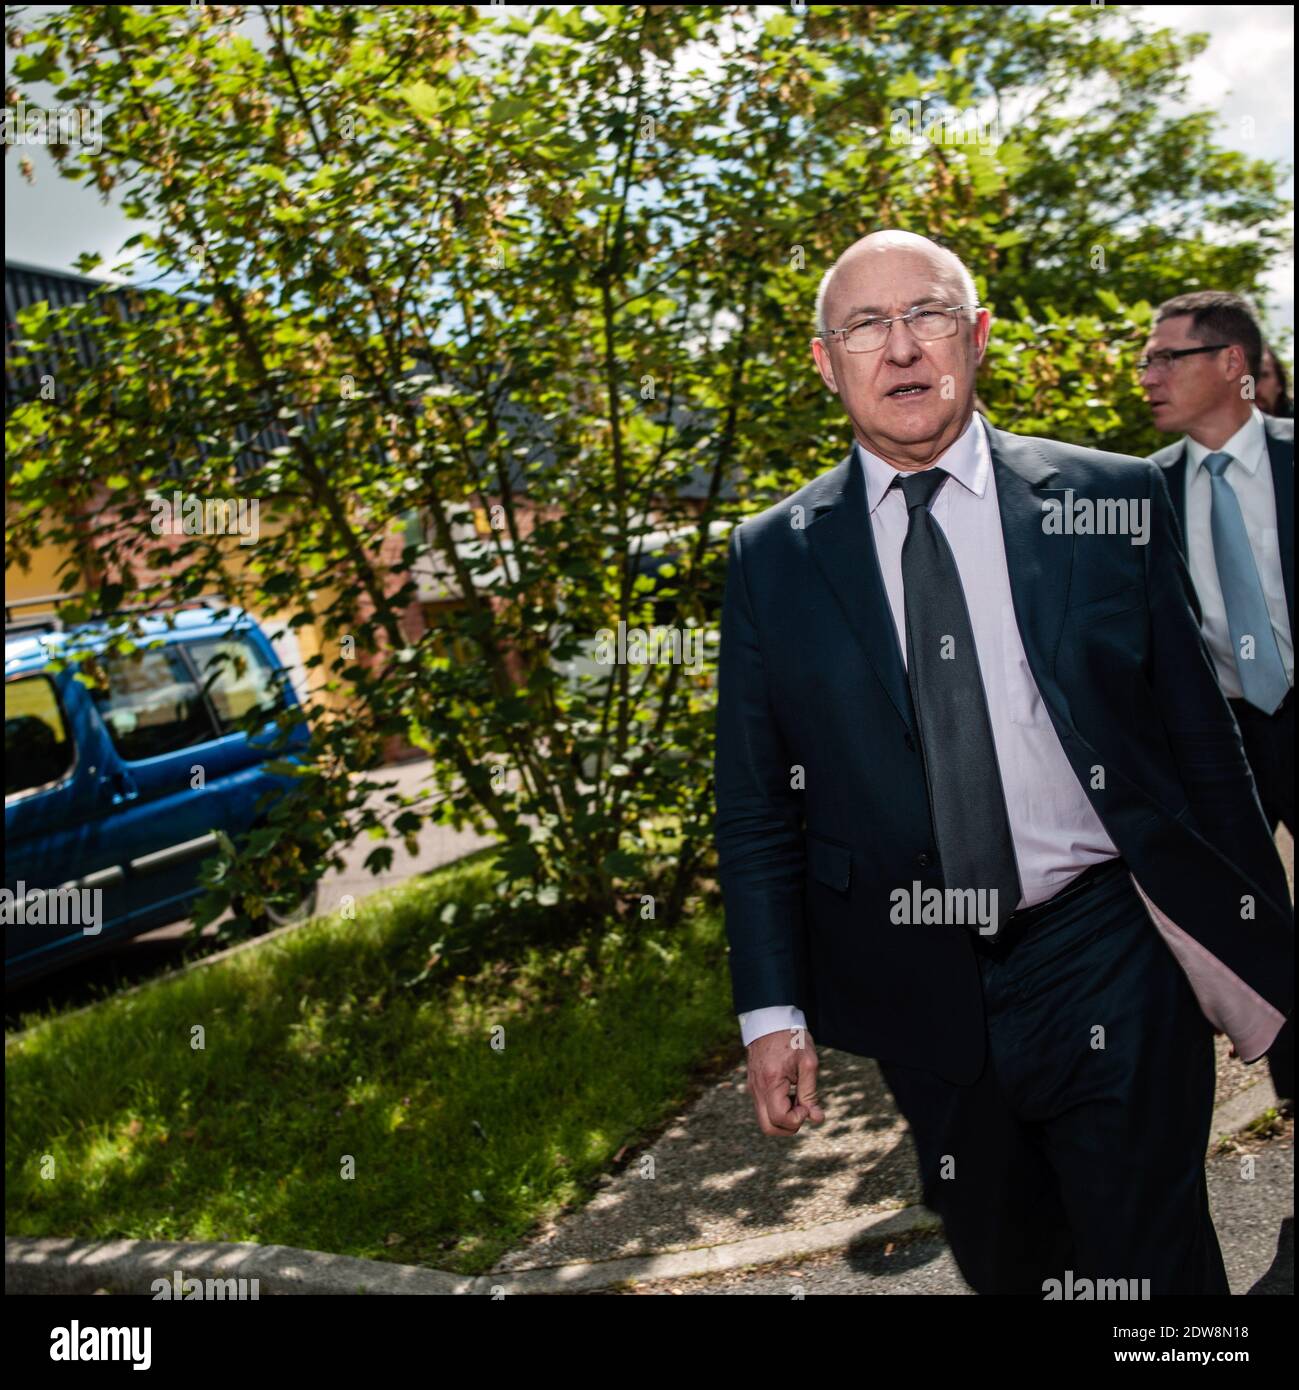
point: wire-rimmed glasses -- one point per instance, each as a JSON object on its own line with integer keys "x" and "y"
{"x": 928, "y": 322}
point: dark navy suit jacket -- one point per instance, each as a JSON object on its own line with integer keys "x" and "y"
{"x": 811, "y": 677}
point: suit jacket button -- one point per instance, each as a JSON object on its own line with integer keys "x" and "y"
{"x": 923, "y": 860}
{"x": 909, "y": 741}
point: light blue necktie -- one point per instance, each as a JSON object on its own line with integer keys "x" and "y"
{"x": 1263, "y": 677}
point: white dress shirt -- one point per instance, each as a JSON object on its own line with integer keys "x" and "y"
{"x": 1250, "y": 476}
{"x": 1055, "y": 831}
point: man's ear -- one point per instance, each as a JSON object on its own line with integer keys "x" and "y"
{"x": 982, "y": 332}
{"x": 824, "y": 365}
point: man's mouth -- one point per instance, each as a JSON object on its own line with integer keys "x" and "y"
{"x": 907, "y": 390}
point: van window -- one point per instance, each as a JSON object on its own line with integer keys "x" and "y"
{"x": 38, "y": 749}
{"x": 152, "y": 704}
{"x": 238, "y": 679}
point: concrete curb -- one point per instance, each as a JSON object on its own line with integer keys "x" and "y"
{"x": 53, "y": 1265}
{"x": 1243, "y": 1108}
{"x": 57, "y": 1265}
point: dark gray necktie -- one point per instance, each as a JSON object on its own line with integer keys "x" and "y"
{"x": 966, "y": 801}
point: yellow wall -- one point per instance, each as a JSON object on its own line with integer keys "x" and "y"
{"x": 41, "y": 579}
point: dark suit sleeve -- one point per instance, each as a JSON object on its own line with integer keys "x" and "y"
{"x": 760, "y": 846}
{"x": 1200, "y": 726}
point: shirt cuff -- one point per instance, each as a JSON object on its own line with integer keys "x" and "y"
{"x": 777, "y": 1018}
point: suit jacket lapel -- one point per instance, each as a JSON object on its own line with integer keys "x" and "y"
{"x": 1039, "y": 563}
{"x": 1176, "y": 481}
{"x": 1281, "y": 455}
{"x": 842, "y": 542}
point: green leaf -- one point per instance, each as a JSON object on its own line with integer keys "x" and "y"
{"x": 620, "y": 864}
{"x": 425, "y": 101}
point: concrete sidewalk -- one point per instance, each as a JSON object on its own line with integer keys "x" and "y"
{"x": 1257, "y": 1245}
{"x": 1251, "y": 1196}
{"x": 714, "y": 1181}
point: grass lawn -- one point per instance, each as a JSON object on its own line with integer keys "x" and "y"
{"x": 338, "y": 1088}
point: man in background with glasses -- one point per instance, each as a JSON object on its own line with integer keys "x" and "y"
{"x": 983, "y": 813}
{"x": 1231, "y": 479}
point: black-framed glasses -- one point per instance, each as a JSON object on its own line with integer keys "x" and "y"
{"x": 928, "y": 322}
{"x": 1164, "y": 359}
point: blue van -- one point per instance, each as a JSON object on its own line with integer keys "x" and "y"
{"x": 114, "y": 793}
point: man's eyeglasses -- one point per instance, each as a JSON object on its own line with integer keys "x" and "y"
{"x": 928, "y": 323}
{"x": 1161, "y": 361}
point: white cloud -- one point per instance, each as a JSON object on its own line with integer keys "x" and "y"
{"x": 1247, "y": 75}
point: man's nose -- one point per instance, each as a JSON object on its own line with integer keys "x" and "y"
{"x": 902, "y": 346}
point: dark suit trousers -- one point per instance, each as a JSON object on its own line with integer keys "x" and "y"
{"x": 1269, "y": 746}
{"x": 1082, "y": 1145}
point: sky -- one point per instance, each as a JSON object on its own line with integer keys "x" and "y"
{"x": 1246, "y": 73}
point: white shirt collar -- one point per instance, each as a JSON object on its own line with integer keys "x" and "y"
{"x": 1246, "y": 446}
{"x": 967, "y": 459}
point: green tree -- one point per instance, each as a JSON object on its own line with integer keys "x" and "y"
{"x": 552, "y": 266}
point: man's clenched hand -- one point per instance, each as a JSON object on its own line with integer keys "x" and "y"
{"x": 777, "y": 1061}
